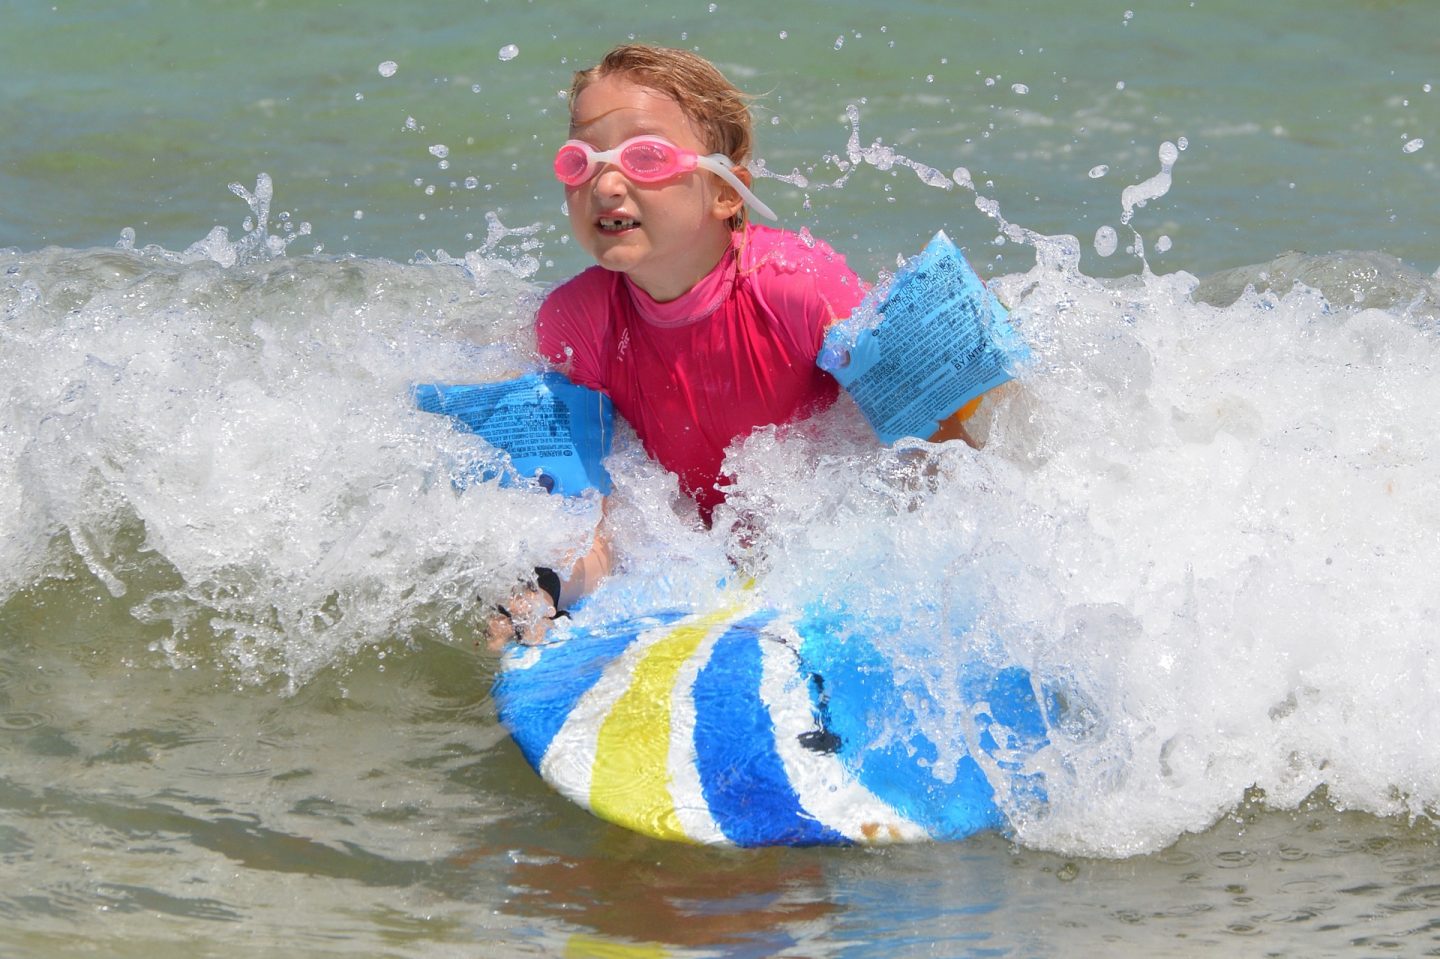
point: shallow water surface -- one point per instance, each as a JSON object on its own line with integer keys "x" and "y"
{"x": 242, "y": 709}
{"x": 380, "y": 812}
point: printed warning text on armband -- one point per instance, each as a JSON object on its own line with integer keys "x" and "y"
{"x": 940, "y": 340}
{"x": 549, "y": 428}
{"x": 530, "y": 432}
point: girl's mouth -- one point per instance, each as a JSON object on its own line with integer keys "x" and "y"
{"x": 617, "y": 224}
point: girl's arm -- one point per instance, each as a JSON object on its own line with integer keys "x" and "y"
{"x": 526, "y": 616}
{"x": 953, "y": 426}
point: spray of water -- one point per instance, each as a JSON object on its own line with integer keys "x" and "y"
{"x": 1204, "y": 517}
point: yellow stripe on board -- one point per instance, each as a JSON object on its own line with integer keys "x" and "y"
{"x": 630, "y": 781}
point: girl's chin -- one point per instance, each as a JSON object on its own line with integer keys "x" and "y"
{"x": 614, "y": 253}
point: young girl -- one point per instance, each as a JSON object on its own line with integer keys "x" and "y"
{"x": 698, "y": 324}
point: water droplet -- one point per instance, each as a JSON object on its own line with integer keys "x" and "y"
{"x": 1183, "y": 143}
{"x": 839, "y": 41}
{"x": 509, "y": 52}
{"x": 439, "y": 150}
{"x": 1162, "y": 245}
{"x": 1019, "y": 88}
{"x": 359, "y": 95}
{"x": 359, "y": 214}
{"x": 1413, "y": 145}
{"x": 1119, "y": 84}
{"x": 1106, "y": 240}
{"x": 784, "y": 34}
{"x": 1096, "y": 172}
{"x": 388, "y": 68}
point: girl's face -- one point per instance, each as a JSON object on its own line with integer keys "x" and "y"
{"x": 664, "y": 236}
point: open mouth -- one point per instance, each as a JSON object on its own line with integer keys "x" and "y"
{"x": 617, "y": 224}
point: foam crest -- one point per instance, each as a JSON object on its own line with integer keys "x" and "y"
{"x": 1209, "y": 529}
{"x": 232, "y": 449}
{"x": 1205, "y": 516}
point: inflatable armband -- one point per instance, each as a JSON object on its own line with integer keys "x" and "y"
{"x": 916, "y": 352}
{"x": 553, "y": 431}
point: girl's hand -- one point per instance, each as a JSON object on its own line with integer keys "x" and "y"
{"x": 524, "y": 618}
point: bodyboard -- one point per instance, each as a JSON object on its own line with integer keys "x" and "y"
{"x": 748, "y": 728}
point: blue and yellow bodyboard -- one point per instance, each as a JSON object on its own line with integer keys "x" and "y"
{"x": 743, "y": 727}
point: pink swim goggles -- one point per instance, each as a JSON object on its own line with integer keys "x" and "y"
{"x": 647, "y": 159}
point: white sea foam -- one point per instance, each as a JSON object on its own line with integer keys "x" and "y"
{"x": 232, "y": 448}
{"x": 1206, "y": 521}
{"x": 1211, "y": 528}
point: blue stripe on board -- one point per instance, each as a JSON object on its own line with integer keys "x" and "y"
{"x": 1011, "y": 696}
{"x": 741, "y": 775}
{"x": 860, "y": 684}
{"x": 534, "y": 701}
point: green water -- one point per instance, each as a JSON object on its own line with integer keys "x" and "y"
{"x": 200, "y": 757}
{"x": 139, "y": 113}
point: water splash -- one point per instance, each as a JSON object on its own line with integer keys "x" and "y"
{"x": 877, "y": 154}
{"x": 223, "y": 439}
{"x": 1180, "y": 520}
{"x": 1135, "y": 197}
{"x": 258, "y": 243}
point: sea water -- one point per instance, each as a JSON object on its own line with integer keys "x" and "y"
{"x": 242, "y": 706}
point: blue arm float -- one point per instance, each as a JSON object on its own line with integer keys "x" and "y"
{"x": 553, "y": 431}
{"x": 915, "y": 353}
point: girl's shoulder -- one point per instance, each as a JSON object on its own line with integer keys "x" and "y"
{"x": 798, "y": 275}
{"x": 572, "y": 316}
{"x": 766, "y": 250}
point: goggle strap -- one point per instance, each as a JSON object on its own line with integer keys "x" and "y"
{"x": 719, "y": 164}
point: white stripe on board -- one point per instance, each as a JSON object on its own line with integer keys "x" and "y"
{"x": 570, "y": 759}
{"x": 827, "y": 790}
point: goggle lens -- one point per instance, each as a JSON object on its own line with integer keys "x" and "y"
{"x": 645, "y": 160}
{"x": 572, "y": 164}
{"x": 648, "y": 161}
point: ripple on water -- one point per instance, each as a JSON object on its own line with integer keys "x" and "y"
{"x": 1416, "y": 897}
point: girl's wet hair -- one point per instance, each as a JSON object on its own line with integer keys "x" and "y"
{"x": 719, "y": 110}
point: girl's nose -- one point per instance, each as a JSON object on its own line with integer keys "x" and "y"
{"x": 610, "y": 181}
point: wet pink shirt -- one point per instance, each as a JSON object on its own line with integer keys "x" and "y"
{"x": 693, "y": 374}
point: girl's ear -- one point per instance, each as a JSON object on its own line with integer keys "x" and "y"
{"x": 728, "y": 204}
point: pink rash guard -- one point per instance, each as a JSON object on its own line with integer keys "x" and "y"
{"x": 693, "y": 374}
